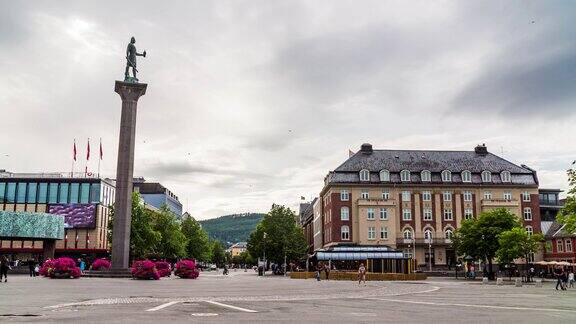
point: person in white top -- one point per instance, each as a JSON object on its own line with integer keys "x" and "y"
{"x": 362, "y": 274}
{"x": 571, "y": 279}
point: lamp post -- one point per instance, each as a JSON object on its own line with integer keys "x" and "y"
{"x": 429, "y": 255}
{"x": 264, "y": 250}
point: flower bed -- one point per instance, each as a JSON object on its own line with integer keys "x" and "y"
{"x": 164, "y": 268}
{"x": 186, "y": 269}
{"x": 144, "y": 269}
{"x": 61, "y": 268}
{"x": 101, "y": 264}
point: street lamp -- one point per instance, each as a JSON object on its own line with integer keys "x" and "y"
{"x": 264, "y": 250}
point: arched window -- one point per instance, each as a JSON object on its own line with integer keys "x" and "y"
{"x": 345, "y": 232}
{"x": 505, "y": 176}
{"x": 466, "y": 176}
{"x": 428, "y": 235}
{"x": 448, "y": 234}
{"x": 384, "y": 175}
{"x": 405, "y": 175}
{"x": 344, "y": 213}
{"x": 527, "y": 213}
{"x": 529, "y": 230}
{"x": 407, "y": 234}
{"x": 364, "y": 175}
{"x": 486, "y": 176}
{"x": 446, "y": 176}
{"x": 425, "y": 176}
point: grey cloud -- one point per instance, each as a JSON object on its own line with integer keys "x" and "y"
{"x": 178, "y": 168}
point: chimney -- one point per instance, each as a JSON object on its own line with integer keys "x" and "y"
{"x": 481, "y": 149}
{"x": 366, "y": 148}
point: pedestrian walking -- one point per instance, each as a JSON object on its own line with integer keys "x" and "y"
{"x": 318, "y": 271}
{"x": 81, "y": 265}
{"x": 559, "y": 273}
{"x": 327, "y": 271}
{"x": 31, "y": 267}
{"x": 361, "y": 274}
{"x": 4, "y": 266}
{"x": 571, "y": 279}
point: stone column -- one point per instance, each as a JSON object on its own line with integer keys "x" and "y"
{"x": 48, "y": 249}
{"x": 129, "y": 92}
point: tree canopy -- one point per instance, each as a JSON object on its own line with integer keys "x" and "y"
{"x": 278, "y": 235}
{"x": 198, "y": 246}
{"x": 517, "y": 243}
{"x": 567, "y": 214}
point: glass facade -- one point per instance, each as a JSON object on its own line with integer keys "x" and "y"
{"x": 51, "y": 193}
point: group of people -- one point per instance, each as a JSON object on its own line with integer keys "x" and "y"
{"x": 564, "y": 278}
{"x": 321, "y": 267}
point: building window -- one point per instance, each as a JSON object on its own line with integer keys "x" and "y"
{"x": 371, "y": 233}
{"x": 344, "y": 213}
{"x": 529, "y": 230}
{"x": 405, "y": 195}
{"x": 383, "y": 214}
{"x": 384, "y": 233}
{"x": 466, "y": 176}
{"x": 448, "y": 234}
{"x": 32, "y": 189}
{"x": 486, "y": 176}
{"x": 345, "y": 232}
{"x": 446, "y": 176}
{"x": 425, "y": 176}
{"x": 385, "y": 194}
{"x": 559, "y": 246}
{"x": 407, "y": 234}
{"x": 2, "y": 194}
{"x": 11, "y": 192}
{"x": 468, "y": 213}
{"x": 487, "y": 195}
{"x": 406, "y": 214}
{"x": 526, "y": 196}
{"x": 344, "y": 195}
{"x": 467, "y": 196}
{"x": 505, "y": 176}
{"x": 568, "y": 245}
{"x": 427, "y": 214}
{"x": 370, "y": 214}
{"x": 42, "y": 193}
{"x": 21, "y": 193}
{"x": 507, "y": 195}
{"x": 74, "y": 193}
{"x": 428, "y": 235}
{"x": 84, "y": 193}
{"x": 528, "y": 213}
{"x": 447, "y": 196}
{"x": 365, "y": 194}
{"x": 384, "y": 175}
{"x": 426, "y": 196}
{"x": 364, "y": 175}
{"x": 448, "y": 214}
{"x": 63, "y": 196}
{"x": 405, "y": 176}
{"x": 408, "y": 253}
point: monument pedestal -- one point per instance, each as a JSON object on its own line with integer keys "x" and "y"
{"x": 129, "y": 93}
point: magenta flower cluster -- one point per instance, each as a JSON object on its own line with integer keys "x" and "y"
{"x": 101, "y": 264}
{"x": 61, "y": 268}
{"x": 186, "y": 269}
{"x": 145, "y": 269}
{"x": 164, "y": 268}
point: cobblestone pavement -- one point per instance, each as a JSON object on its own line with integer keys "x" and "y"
{"x": 244, "y": 297}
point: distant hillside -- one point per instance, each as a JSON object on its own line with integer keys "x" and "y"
{"x": 232, "y": 228}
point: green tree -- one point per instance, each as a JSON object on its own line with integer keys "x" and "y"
{"x": 144, "y": 238}
{"x": 218, "y": 253}
{"x": 198, "y": 245}
{"x": 567, "y": 214}
{"x": 172, "y": 243}
{"x": 278, "y": 236}
{"x": 517, "y": 243}
{"x": 478, "y": 238}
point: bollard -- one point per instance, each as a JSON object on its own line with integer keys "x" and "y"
{"x": 499, "y": 281}
{"x": 518, "y": 282}
{"x": 484, "y": 281}
{"x": 538, "y": 282}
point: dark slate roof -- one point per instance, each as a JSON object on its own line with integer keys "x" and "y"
{"x": 557, "y": 230}
{"x": 416, "y": 161}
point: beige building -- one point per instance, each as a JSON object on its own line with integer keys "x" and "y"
{"x": 237, "y": 248}
{"x": 414, "y": 200}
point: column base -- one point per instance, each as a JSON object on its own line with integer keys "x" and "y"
{"x": 112, "y": 273}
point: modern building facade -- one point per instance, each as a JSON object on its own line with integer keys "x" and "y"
{"x": 156, "y": 195}
{"x": 560, "y": 245}
{"x": 83, "y": 201}
{"x": 306, "y": 215}
{"x": 413, "y": 200}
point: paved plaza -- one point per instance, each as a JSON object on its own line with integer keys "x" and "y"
{"x": 244, "y": 297}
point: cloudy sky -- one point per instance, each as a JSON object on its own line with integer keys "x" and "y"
{"x": 251, "y": 103}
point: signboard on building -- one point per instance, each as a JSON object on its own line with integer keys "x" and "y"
{"x": 75, "y": 215}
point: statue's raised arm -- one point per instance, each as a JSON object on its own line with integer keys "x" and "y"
{"x": 131, "y": 54}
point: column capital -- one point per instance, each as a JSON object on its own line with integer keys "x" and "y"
{"x": 130, "y": 91}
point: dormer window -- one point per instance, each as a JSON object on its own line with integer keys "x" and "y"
{"x": 446, "y": 176}
{"x": 384, "y": 175}
{"x": 486, "y": 176}
{"x": 466, "y": 176}
{"x": 425, "y": 176}
{"x": 505, "y": 176}
{"x": 405, "y": 176}
{"x": 364, "y": 175}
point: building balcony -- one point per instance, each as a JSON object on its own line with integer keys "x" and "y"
{"x": 423, "y": 241}
{"x": 376, "y": 202}
{"x": 500, "y": 203}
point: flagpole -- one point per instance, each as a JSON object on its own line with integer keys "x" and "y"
{"x": 73, "y": 159}
{"x": 100, "y": 157}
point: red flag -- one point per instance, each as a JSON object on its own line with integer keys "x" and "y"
{"x": 101, "y": 151}
{"x": 74, "y": 151}
{"x": 88, "y": 151}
